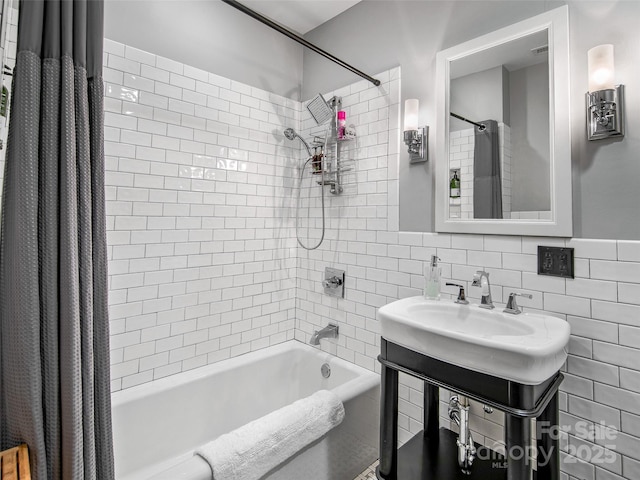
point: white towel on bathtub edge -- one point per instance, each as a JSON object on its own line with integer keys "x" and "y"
{"x": 249, "y": 452}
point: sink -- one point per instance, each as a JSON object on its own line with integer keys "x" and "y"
{"x": 528, "y": 348}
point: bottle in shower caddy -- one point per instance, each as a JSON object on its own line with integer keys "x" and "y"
{"x": 432, "y": 279}
{"x": 342, "y": 123}
{"x": 316, "y": 160}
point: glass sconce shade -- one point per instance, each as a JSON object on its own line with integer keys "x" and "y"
{"x": 411, "y": 108}
{"x": 601, "y": 69}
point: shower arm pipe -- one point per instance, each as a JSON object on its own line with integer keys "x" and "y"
{"x": 481, "y": 126}
{"x": 270, "y": 23}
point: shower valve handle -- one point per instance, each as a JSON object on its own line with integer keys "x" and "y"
{"x": 332, "y": 282}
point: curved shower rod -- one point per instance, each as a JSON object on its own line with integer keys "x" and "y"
{"x": 270, "y": 23}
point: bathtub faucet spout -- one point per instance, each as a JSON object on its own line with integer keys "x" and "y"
{"x": 330, "y": 331}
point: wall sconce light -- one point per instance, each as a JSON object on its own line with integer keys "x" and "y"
{"x": 416, "y": 138}
{"x": 605, "y": 100}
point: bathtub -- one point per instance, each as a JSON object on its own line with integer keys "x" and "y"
{"x": 157, "y": 426}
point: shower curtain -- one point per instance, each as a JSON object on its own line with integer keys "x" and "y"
{"x": 54, "y": 354}
{"x": 487, "y": 182}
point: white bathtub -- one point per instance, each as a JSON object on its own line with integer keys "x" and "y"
{"x": 157, "y": 426}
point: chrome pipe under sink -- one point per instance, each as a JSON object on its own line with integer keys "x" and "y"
{"x": 459, "y": 413}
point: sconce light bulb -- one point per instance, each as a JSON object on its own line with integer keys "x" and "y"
{"x": 600, "y": 77}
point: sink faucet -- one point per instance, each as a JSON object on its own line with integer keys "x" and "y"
{"x": 330, "y": 331}
{"x": 481, "y": 279}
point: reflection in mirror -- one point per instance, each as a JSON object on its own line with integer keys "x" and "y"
{"x": 503, "y": 138}
{"x": 499, "y": 150}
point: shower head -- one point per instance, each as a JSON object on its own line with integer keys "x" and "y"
{"x": 320, "y": 110}
{"x": 291, "y": 134}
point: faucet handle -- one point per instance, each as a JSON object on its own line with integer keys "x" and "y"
{"x": 462, "y": 299}
{"x": 332, "y": 282}
{"x": 512, "y": 305}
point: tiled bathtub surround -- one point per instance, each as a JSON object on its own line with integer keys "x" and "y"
{"x": 358, "y": 220}
{"x": 199, "y": 192}
{"x": 204, "y": 269}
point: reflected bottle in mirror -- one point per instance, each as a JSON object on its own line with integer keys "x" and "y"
{"x": 454, "y": 185}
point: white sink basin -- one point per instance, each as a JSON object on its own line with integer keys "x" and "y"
{"x": 528, "y": 348}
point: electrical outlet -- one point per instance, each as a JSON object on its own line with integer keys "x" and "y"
{"x": 555, "y": 261}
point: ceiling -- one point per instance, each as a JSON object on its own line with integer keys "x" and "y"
{"x": 513, "y": 55}
{"x": 301, "y": 16}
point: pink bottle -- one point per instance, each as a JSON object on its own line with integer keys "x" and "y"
{"x": 342, "y": 123}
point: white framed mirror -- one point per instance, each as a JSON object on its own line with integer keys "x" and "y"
{"x": 503, "y": 146}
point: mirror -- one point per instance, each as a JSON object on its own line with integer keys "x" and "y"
{"x": 503, "y": 148}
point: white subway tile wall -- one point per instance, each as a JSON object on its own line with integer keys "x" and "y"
{"x": 204, "y": 263}
{"x": 202, "y": 258}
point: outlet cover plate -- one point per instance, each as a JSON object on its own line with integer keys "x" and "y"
{"x": 555, "y": 261}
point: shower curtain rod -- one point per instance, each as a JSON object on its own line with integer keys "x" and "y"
{"x": 297, "y": 38}
{"x": 481, "y": 126}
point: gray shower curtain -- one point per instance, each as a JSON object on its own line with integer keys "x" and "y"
{"x": 54, "y": 354}
{"x": 487, "y": 177}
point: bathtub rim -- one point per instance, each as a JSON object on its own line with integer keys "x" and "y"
{"x": 365, "y": 379}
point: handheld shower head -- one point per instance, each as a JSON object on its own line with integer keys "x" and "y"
{"x": 291, "y": 134}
